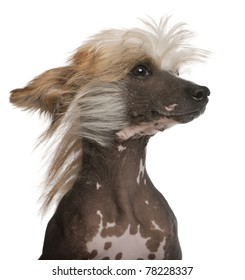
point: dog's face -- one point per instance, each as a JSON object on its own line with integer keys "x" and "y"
{"x": 157, "y": 99}
{"x": 155, "y": 93}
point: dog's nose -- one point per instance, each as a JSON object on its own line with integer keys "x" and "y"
{"x": 199, "y": 93}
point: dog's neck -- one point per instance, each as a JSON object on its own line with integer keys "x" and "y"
{"x": 120, "y": 167}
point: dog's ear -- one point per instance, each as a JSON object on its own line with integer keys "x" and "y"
{"x": 49, "y": 93}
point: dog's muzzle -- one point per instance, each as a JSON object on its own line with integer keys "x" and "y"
{"x": 198, "y": 97}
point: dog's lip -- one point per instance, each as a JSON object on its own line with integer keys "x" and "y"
{"x": 156, "y": 115}
{"x": 196, "y": 112}
{"x": 172, "y": 115}
{"x": 186, "y": 117}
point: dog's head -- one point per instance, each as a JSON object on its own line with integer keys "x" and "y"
{"x": 119, "y": 84}
{"x": 125, "y": 81}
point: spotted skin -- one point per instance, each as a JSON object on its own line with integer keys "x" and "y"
{"x": 122, "y": 219}
{"x": 130, "y": 244}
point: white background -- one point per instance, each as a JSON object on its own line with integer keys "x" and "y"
{"x": 199, "y": 167}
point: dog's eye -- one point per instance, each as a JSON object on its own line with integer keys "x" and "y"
{"x": 141, "y": 71}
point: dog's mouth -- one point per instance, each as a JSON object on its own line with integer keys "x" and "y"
{"x": 179, "y": 117}
{"x": 185, "y": 117}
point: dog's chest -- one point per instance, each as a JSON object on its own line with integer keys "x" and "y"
{"x": 126, "y": 246}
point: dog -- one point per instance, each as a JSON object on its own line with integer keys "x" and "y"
{"x": 119, "y": 89}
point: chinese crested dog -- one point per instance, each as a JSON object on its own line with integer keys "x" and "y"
{"x": 118, "y": 90}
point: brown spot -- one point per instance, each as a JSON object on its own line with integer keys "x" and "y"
{"x": 107, "y": 245}
{"x": 156, "y": 124}
{"x": 106, "y": 258}
{"x": 118, "y": 256}
{"x": 113, "y": 231}
{"x": 151, "y": 256}
{"x": 139, "y": 259}
{"x": 153, "y": 243}
{"x": 93, "y": 254}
